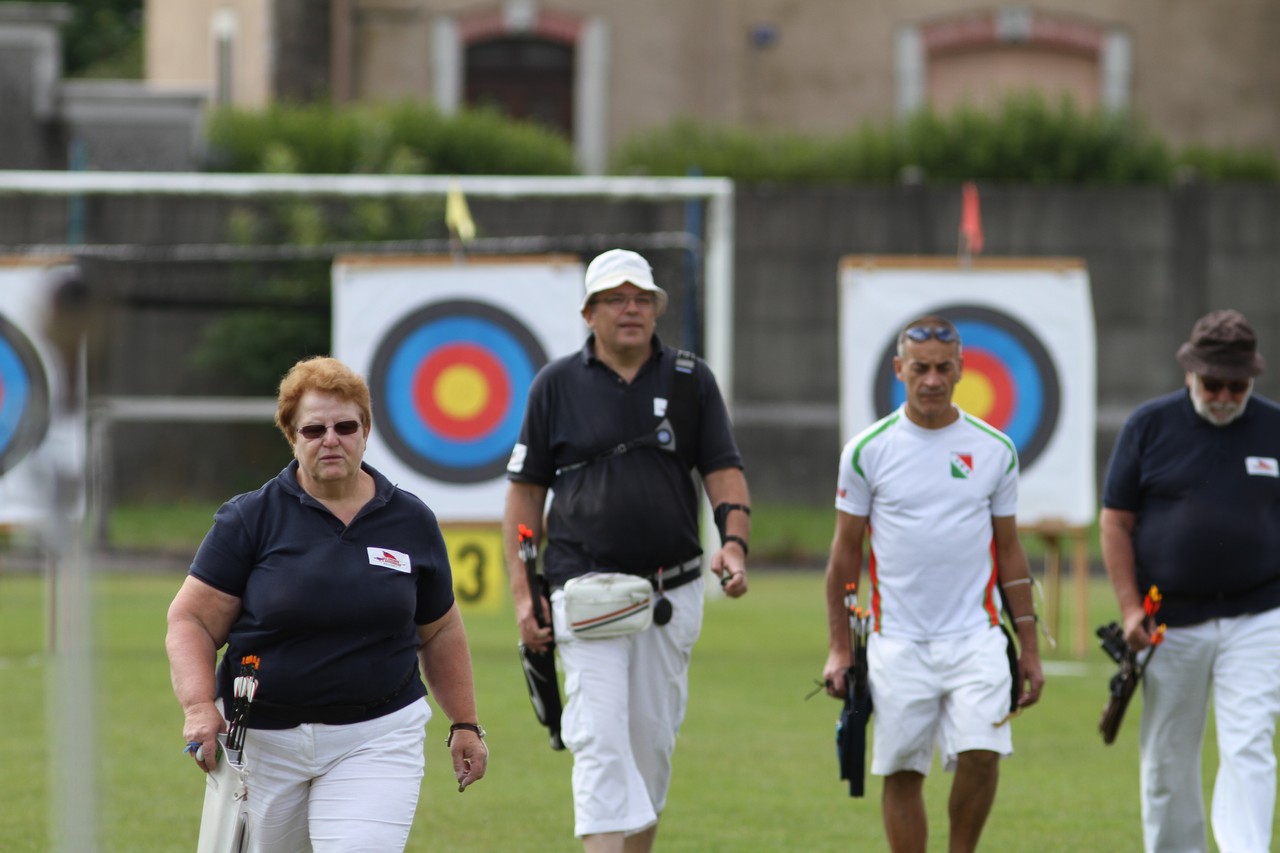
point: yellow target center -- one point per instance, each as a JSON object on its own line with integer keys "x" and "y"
{"x": 975, "y": 394}
{"x": 461, "y": 392}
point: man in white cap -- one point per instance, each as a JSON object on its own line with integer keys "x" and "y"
{"x": 1191, "y": 505}
{"x": 614, "y": 431}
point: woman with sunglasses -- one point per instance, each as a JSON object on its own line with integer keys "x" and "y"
{"x": 339, "y": 583}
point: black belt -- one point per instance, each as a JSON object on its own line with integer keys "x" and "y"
{"x": 330, "y": 715}
{"x": 672, "y": 576}
{"x": 680, "y": 574}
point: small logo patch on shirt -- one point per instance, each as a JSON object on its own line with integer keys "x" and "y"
{"x": 1261, "y": 466}
{"x": 516, "y": 463}
{"x": 659, "y": 407}
{"x": 390, "y": 559}
{"x": 961, "y": 465}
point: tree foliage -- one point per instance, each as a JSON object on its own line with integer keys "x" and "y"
{"x": 103, "y": 38}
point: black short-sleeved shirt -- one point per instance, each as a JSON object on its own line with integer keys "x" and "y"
{"x": 1207, "y": 500}
{"x": 632, "y": 512}
{"x": 332, "y": 611}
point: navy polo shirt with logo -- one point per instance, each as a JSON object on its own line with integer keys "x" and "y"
{"x": 332, "y": 610}
{"x": 632, "y": 512}
{"x": 1207, "y": 500}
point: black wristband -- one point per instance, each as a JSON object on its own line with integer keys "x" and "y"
{"x": 746, "y": 551}
{"x": 721, "y": 515}
{"x": 470, "y": 727}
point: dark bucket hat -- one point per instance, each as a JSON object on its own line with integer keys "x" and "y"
{"x": 1223, "y": 346}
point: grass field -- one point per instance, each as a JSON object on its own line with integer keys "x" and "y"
{"x": 786, "y": 535}
{"x": 755, "y": 768}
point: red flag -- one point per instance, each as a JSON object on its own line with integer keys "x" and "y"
{"x": 970, "y": 220}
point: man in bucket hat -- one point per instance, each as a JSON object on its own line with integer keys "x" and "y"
{"x": 611, "y": 435}
{"x": 1191, "y": 505}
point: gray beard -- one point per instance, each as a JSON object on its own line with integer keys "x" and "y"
{"x": 1205, "y": 410}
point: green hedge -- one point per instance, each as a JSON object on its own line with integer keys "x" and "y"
{"x": 400, "y": 138}
{"x": 1026, "y": 140}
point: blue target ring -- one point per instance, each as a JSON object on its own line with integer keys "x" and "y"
{"x": 1024, "y": 392}
{"x": 24, "y": 396}
{"x": 449, "y": 384}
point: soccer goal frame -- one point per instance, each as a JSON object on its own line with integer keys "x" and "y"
{"x": 718, "y": 193}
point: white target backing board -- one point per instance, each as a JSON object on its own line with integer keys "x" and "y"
{"x": 449, "y": 350}
{"x": 30, "y": 380}
{"x": 1028, "y": 335}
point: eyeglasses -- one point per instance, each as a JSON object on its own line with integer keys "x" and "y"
{"x": 1213, "y": 386}
{"x": 618, "y": 302}
{"x": 920, "y": 334}
{"x": 313, "y": 431}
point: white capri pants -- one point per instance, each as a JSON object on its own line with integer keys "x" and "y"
{"x": 626, "y": 698}
{"x": 952, "y": 691}
{"x": 336, "y": 789}
{"x": 1240, "y": 659}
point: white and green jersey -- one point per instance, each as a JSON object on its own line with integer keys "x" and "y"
{"x": 930, "y": 495}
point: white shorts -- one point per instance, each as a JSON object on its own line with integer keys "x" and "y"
{"x": 625, "y": 701}
{"x": 336, "y": 789}
{"x": 952, "y": 692}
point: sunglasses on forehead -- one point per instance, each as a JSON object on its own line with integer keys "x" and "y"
{"x": 1213, "y": 386}
{"x": 920, "y": 334}
{"x": 313, "y": 431}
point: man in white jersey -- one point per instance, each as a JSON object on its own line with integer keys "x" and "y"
{"x": 936, "y": 491}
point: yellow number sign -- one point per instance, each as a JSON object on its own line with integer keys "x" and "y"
{"x": 479, "y": 577}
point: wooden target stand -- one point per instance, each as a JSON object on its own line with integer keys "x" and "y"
{"x": 1055, "y": 536}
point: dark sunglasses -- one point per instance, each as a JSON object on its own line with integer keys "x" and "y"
{"x": 313, "y": 431}
{"x": 920, "y": 334}
{"x": 1213, "y": 386}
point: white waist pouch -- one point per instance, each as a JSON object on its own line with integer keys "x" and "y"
{"x": 608, "y": 604}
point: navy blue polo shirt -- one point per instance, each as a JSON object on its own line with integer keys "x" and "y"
{"x": 1207, "y": 500}
{"x": 332, "y": 610}
{"x": 631, "y": 512}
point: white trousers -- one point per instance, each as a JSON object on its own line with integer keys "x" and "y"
{"x": 1239, "y": 659}
{"x": 336, "y": 789}
{"x": 626, "y": 698}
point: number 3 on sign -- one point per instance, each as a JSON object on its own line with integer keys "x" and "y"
{"x": 475, "y": 554}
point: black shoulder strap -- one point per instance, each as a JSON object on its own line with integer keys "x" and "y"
{"x": 682, "y": 407}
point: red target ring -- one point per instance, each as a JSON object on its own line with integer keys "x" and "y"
{"x": 461, "y": 391}
{"x": 987, "y": 389}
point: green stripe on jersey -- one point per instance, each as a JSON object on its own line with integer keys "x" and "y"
{"x": 876, "y": 429}
{"x": 1004, "y": 439}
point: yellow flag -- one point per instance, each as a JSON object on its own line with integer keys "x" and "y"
{"x": 457, "y": 216}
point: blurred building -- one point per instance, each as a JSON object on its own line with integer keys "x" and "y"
{"x": 48, "y": 122}
{"x": 600, "y": 70}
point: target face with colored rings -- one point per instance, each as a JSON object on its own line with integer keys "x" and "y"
{"x": 449, "y": 383}
{"x": 24, "y": 396}
{"x": 1009, "y": 380}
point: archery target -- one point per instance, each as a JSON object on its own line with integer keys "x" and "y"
{"x": 34, "y": 438}
{"x": 449, "y": 383}
{"x": 24, "y": 396}
{"x": 1009, "y": 379}
{"x": 450, "y": 350}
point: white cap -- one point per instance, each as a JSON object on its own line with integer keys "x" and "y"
{"x": 617, "y": 267}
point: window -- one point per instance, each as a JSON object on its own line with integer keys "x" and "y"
{"x": 525, "y": 78}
